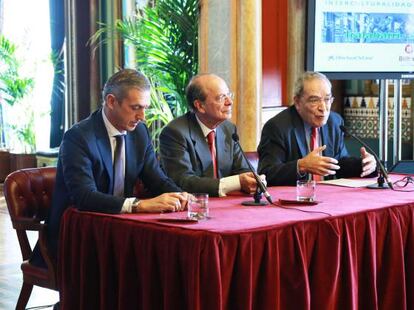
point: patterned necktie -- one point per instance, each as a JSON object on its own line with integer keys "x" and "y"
{"x": 212, "y": 146}
{"x": 314, "y": 143}
{"x": 119, "y": 166}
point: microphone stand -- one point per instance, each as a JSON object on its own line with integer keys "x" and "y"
{"x": 261, "y": 187}
{"x": 382, "y": 181}
{"x": 257, "y": 199}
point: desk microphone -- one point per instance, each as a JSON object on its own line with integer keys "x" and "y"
{"x": 259, "y": 181}
{"x": 383, "y": 173}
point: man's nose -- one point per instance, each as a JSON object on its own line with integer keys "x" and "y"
{"x": 140, "y": 115}
{"x": 323, "y": 106}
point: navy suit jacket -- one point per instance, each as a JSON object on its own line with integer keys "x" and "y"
{"x": 186, "y": 158}
{"x": 283, "y": 142}
{"x": 85, "y": 173}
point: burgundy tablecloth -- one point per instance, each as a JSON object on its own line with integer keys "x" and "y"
{"x": 359, "y": 257}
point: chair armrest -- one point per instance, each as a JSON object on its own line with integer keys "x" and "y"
{"x": 22, "y": 225}
{"x": 27, "y": 224}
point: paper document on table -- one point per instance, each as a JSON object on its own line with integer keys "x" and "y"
{"x": 349, "y": 182}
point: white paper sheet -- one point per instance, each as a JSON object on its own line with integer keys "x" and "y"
{"x": 349, "y": 182}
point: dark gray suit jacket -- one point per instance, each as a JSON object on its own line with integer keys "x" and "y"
{"x": 186, "y": 158}
{"x": 283, "y": 142}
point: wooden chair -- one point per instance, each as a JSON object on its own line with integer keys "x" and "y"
{"x": 28, "y": 194}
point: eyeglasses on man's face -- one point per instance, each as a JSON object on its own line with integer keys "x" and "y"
{"x": 222, "y": 97}
{"x": 315, "y": 100}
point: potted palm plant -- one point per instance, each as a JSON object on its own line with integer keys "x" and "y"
{"x": 164, "y": 37}
{"x": 13, "y": 89}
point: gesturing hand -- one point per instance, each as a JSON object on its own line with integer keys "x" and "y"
{"x": 368, "y": 162}
{"x": 316, "y": 164}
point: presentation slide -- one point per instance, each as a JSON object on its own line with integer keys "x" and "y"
{"x": 364, "y": 36}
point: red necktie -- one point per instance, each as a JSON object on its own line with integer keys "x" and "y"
{"x": 314, "y": 143}
{"x": 212, "y": 146}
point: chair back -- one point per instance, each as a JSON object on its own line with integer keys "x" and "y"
{"x": 28, "y": 194}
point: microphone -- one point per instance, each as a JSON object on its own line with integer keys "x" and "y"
{"x": 259, "y": 181}
{"x": 381, "y": 167}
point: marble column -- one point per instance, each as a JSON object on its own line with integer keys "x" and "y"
{"x": 230, "y": 46}
{"x": 296, "y": 43}
{"x": 250, "y": 73}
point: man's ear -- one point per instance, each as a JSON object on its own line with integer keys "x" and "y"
{"x": 296, "y": 100}
{"x": 110, "y": 100}
{"x": 199, "y": 106}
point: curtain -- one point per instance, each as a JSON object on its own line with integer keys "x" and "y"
{"x": 57, "y": 36}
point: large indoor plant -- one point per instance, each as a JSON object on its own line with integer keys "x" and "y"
{"x": 19, "y": 123}
{"x": 165, "y": 40}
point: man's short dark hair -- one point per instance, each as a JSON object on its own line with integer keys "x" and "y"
{"x": 123, "y": 80}
{"x": 195, "y": 91}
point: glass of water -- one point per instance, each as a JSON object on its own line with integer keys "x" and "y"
{"x": 198, "y": 206}
{"x": 305, "y": 190}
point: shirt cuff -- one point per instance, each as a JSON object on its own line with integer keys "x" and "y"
{"x": 229, "y": 184}
{"x": 127, "y": 206}
{"x": 300, "y": 175}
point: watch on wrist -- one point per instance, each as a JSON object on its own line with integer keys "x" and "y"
{"x": 135, "y": 205}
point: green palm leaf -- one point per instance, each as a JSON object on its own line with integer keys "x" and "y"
{"x": 165, "y": 39}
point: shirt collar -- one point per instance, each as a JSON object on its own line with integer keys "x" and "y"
{"x": 203, "y": 127}
{"x": 112, "y": 131}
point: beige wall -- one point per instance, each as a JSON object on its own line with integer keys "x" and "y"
{"x": 230, "y": 46}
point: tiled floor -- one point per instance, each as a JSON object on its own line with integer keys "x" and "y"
{"x": 10, "y": 274}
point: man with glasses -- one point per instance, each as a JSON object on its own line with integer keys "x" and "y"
{"x": 305, "y": 140}
{"x": 197, "y": 150}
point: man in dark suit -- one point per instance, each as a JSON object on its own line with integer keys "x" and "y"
{"x": 305, "y": 140}
{"x": 85, "y": 172}
{"x": 187, "y": 154}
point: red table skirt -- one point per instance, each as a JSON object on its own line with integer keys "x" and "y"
{"x": 357, "y": 261}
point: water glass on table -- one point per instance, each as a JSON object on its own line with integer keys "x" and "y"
{"x": 198, "y": 206}
{"x": 305, "y": 190}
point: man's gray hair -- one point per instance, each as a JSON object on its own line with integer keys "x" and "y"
{"x": 122, "y": 81}
{"x": 307, "y": 76}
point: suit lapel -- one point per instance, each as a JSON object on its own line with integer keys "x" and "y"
{"x": 200, "y": 145}
{"x": 130, "y": 159}
{"x": 326, "y": 141}
{"x": 299, "y": 133}
{"x": 222, "y": 149}
{"x": 104, "y": 146}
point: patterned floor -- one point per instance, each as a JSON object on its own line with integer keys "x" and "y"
{"x": 10, "y": 275}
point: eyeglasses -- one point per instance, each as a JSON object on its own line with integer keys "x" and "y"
{"x": 221, "y": 98}
{"x": 314, "y": 100}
